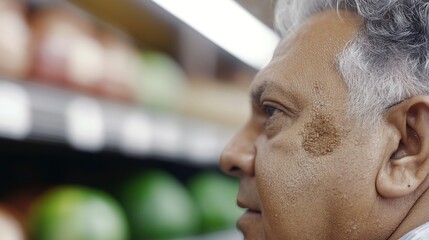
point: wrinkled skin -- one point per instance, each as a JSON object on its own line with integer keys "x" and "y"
{"x": 301, "y": 177}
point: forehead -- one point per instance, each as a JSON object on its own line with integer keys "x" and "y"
{"x": 307, "y": 56}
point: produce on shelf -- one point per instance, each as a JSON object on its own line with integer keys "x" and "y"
{"x": 213, "y": 101}
{"x": 162, "y": 81}
{"x": 66, "y": 51}
{"x": 14, "y": 39}
{"x": 215, "y": 196}
{"x": 77, "y": 213}
{"x": 10, "y": 227}
{"x": 120, "y": 67}
{"x": 72, "y": 50}
{"x": 158, "y": 207}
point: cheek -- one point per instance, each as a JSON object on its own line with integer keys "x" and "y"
{"x": 285, "y": 175}
{"x": 284, "y": 169}
{"x": 300, "y": 191}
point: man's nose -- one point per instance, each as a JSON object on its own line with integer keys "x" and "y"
{"x": 238, "y": 157}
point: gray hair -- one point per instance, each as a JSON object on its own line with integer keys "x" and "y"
{"x": 387, "y": 62}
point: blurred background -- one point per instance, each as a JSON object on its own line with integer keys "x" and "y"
{"x": 113, "y": 115}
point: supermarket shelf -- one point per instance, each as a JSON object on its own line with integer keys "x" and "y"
{"x": 30, "y": 111}
{"x": 146, "y": 23}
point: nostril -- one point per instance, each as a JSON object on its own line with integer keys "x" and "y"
{"x": 234, "y": 169}
{"x": 238, "y": 157}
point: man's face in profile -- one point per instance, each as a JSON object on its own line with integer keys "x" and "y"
{"x": 307, "y": 169}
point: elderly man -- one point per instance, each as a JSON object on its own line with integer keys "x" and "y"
{"x": 337, "y": 146}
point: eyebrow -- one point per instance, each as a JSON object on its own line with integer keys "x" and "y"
{"x": 256, "y": 94}
{"x": 287, "y": 97}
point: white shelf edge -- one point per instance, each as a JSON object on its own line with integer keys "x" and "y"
{"x": 90, "y": 124}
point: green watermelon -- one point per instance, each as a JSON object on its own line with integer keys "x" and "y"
{"x": 159, "y": 207}
{"x": 77, "y": 213}
{"x": 215, "y": 195}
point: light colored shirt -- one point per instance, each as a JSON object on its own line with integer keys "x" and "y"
{"x": 420, "y": 233}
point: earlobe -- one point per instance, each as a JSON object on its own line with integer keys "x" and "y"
{"x": 408, "y": 165}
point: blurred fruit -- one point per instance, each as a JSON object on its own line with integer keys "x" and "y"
{"x": 10, "y": 227}
{"x": 120, "y": 67}
{"x": 66, "y": 50}
{"x": 215, "y": 196}
{"x": 159, "y": 207}
{"x": 219, "y": 102}
{"x": 77, "y": 213}
{"x": 161, "y": 81}
{"x": 14, "y": 40}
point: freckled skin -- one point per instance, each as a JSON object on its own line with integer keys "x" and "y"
{"x": 321, "y": 136}
{"x": 311, "y": 178}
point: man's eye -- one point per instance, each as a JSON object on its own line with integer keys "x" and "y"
{"x": 270, "y": 110}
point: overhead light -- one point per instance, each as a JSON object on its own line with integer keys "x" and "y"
{"x": 229, "y": 26}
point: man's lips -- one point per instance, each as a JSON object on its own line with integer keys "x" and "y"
{"x": 246, "y": 223}
{"x": 251, "y": 208}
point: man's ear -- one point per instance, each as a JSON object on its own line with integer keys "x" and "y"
{"x": 408, "y": 165}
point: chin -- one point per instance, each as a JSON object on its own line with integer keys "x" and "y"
{"x": 251, "y": 225}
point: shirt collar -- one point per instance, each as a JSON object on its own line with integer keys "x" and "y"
{"x": 419, "y": 233}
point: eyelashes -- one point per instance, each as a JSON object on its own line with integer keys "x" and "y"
{"x": 270, "y": 110}
{"x": 272, "y": 114}
{"x": 276, "y": 117}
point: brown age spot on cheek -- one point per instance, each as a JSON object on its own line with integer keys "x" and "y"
{"x": 321, "y": 136}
